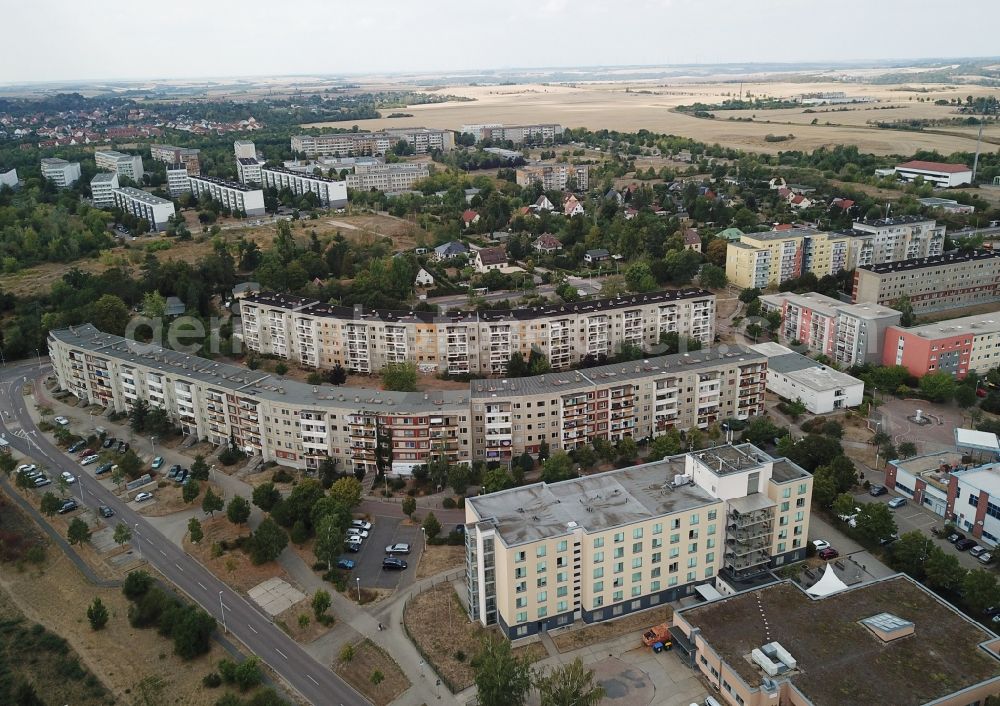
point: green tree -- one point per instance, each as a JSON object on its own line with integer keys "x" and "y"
{"x": 824, "y": 487}
{"x": 943, "y": 571}
{"x": 502, "y": 679}
{"x": 376, "y": 678}
{"x": 965, "y": 396}
{"x": 50, "y": 504}
{"x": 980, "y": 590}
{"x": 875, "y": 521}
{"x": 248, "y": 674}
{"x": 431, "y": 526}
{"x": 761, "y": 431}
{"x": 130, "y": 464}
{"x": 136, "y": 584}
{"x": 907, "y": 449}
{"x": 497, "y": 479}
{"x": 195, "y": 530}
{"x": 7, "y": 464}
{"x": 110, "y": 314}
{"x": 211, "y": 503}
{"x": 267, "y": 542}
{"x": 409, "y": 506}
{"x": 192, "y": 633}
{"x": 400, "y": 377}
{"x": 190, "y": 491}
{"x": 813, "y": 449}
{"x": 154, "y": 305}
{"x": 137, "y": 416}
{"x": 903, "y": 305}
{"x": 329, "y": 538}
{"x": 569, "y": 685}
{"x": 118, "y": 476}
{"x": 266, "y": 496}
{"x": 199, "y": 469}
{"x": 97, "y": 614}
{"x": 321, "y": 603}
{"x": 78, "y": 532}
{"x": 938, "y": 387}
{"x": 347, "y": 491}
{"x": 843, "y": 505}
{"x": 910, "y": 553}
{"x": 669, "y": 444}
{"x": 122, "y": 534}
{"x": 713, "y": 277}
{"x": 558, "y": 467}
{"x": 458, "y": 478}
{"x": 238, "y": 510}
{"x": 627, "y": 449}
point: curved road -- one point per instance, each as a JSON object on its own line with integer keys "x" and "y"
{"x": 312, "y": 680}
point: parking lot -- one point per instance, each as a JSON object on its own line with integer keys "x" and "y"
{"x": 386, "y": 531}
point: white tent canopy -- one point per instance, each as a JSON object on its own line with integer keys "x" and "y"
{"x": 828, "y": 583}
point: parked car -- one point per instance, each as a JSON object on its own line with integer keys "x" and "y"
{"x": 354, "y": 539}
{"x": 985, "y": 558}
{"x": 27, "y": 468}
{"x": 83, "y": 454}
{"x": 346, "y": 564}
{"x": 106, "y": 511}
{"x": 820, "y": 544}
{"x": 103, "y": 468}
{"x": 352, "y": 547}
{"x": 174, "y": 470}
{"x": 355, "y": 532}
{"x": 68, "y": 506}
{"x": 42, "y": 480}
{"x": 829, "y": 553}
{"x": 877, "y": 490}
{"x": 886, "y": 541}
{"x": 109, "y": 442}
{"x": 61, "y": 421}
{"x": 955, "y": 537}
{"x": 897, "y": 503}
{"x": 391, "y": 563}
{"x": 143, "y": 496}
{"x": 181, "y": 476}
{"x": 87, "y": 460}
{"x": 157, "y": 462}
{"x": 362, "y": 525}
{"x": 977, "y": 550}
{"x": 68, "y": 477}
{"x": 398, "y": 548}
{"x": 76, "y": 446}
{"x": 965, "y": 544}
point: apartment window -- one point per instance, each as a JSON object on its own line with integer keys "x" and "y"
{"x": 598, "y": 542}
{"x": 799, "y": 516}
{"x": 619, "y": 537}
{"x": 785, "y": 506}
{"x": 519, "y": 557}
{"x": 617, "y": 596}
{"x": 675, "y": 538}
{"x": 598, "y": 586}
{"x": 673, "y": 567}
{"x": 521, "y": 603}
{"x": 694, "y": 519}
{"x": 542, "y": 596}
{"x": 654, "y": 586}
{"x": 520, "y": 572}
{"x": 636, "y": 591}
{"x": 786, "y": 493}
{"x": 637, "y": 547}
{"x": 691, "y": 576}
{"x": 619, "y": 552}
{"x": 657, "y": 543}
{"x": 692, "y": 547}
{"x": 711, "y": 530}
{"x": 598, "y": 601}
{"x": 540, "y": 551}
{"x": 693, "y": 534}
{"x": 637, "y": 533}
{"x": 619, "y": 567}
{"x": 655, "y": 572}
{"x": 599, "y": 572}
{"x": 803, "y": 487}
{"x": 800, "y": 502}
{"x": 522, "y": 587}
{"x": 692, "y": 562}
{"x": 781, "y": 547}
{"x": 562, "y": 591}
{"x": 674, "y": 553}
{"x": 658, "y": 528}
{"x": 712, "y": 514}
{"x": 561, "y": 577}
{"x": 541, "y": 582}
{"x": 709, "y": 571}
{"x": 710, "y": 557}
{"x": 675, "y": 524}
{"x": 637, "y": 562}
{"x": 540, "y": 567}
{"x": 561, "y": 607}
{"x": 522, "y": 617}
{"x": 656, "y": 558}
{"x": 617, "y": 583}
{"x": 542, "y": 611}
{"x": 562, "y": 546}
{"x": 672, "y": 581}
{"x": 598, "y": 557}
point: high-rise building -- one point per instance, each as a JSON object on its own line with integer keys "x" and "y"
{"x": 188, "y": 156}
{"x": 390, "y": 178}
{"x": 60, "y": 172}
{"x": 245, "y": 149}
{"x": 102, "y": 189}
{"x": 555, "y": 177}
{"x": 8, "y": 178}
{"x": 547, "y": 555}
{"x": 124, "y": 165}
{"x": 352, "y": 144}
{"x": 882, "y": 240}
{"x": 143, "y": 204}
{"x": 248, "y": 169}
{"x": 238, "y": 198}
{"x": 970, "y": 344}
{"x": 517, "y": 134}
{"x": 177, "y": 179}
{"x": 328, "y": 191}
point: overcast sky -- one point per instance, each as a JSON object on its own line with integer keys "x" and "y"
{"x": 58, "y": 39}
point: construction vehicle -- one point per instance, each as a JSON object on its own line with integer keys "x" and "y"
{"x": 659, "y": 633}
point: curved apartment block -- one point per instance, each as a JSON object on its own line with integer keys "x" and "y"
{"x": 300, "y": 425}
{"x": 321, "y": 335}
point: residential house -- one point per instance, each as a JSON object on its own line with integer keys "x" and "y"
{"x": 599, "y": 255}
{"x": 423, "y": 279}
{"x": 572, "y": 206}
{"x": 245, "y": 289}
{"x": 470, "y": 218}
{"x": 175, "y": 307}
{"x": 547, "y": 243}
{"x": 630, "y": 213}
{"x": 615, "y": 196}
{"x": 692, "y": 241}
{"x": 543, "y": 204}
{"x": 449, "y": 250}
{"x": 490, "y": 259}
{"x": 842, "y": 204}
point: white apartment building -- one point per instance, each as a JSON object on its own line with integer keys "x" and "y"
{"x": 554, "y": 177}
{"x": 329, "y": 192}
{"x": 177, "y": 179}
{"x": 352, "y": 144}
{"x": 517, "y": 134}
{"x": 595, "y": 548}
{"x": 143, "y": 204}
{"x": 388, "y": 178}
{"x": 819, "y": 387}
{"x": 323, "y": 336}
{"x": 883, "y": 240}
{"x": 248, "y": 169}
{"x": 188, "y": 156}
{"x": 102, "y": 189}
{"x": 245, "y": 149}
{"x": 124, "y": 165}
{"x": 8, "y": 178}
{"x": 238, "y": 198}
{"x": 850, "y": 334}
{"x": 60, "y": 172}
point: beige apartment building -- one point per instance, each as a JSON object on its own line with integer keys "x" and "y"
{"x": 554, "y": 177}
{"x": 190, "y": 157}
{"x": 322, "y": 335}
{"x": 633, "y": 538}
{"x": 891, "y": 239}
{"x": 932, "y": 283}
{"x": 390, "y": 178}
{"x": 354, "y": 144}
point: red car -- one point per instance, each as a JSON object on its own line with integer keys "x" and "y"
{"x": 828, "y": 553}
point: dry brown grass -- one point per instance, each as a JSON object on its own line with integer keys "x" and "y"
{"x": 437, "y": 559}
{"x": 169, "y": 499}
{"x": 289, "y": 622}
{"x": 369, "y": 658}
{"x": 636, "y": 623}
{"x": 233, "y": 566}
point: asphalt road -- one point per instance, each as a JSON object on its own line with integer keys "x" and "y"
{"x": 313, "y": 681}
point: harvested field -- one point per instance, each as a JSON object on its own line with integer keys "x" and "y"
{"x": 593, "y": 634}
{"x": 437, "y": 559}
{"x": 368, "y": 659}
{"x": 232, "y": 566}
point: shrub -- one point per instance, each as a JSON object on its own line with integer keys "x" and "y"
{"x": 136, "y": 584}
{"x": 212, "y": 680}
{"x": 300, "y": 532}
{"x": 346, "y": 653}
{"x": 320, "y": 566}
{"x": 448, "y": 503}
{"x": 282, "y": 476}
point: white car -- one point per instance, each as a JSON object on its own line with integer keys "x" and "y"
{"x": 355, "y": 532}
{"x": 61, "y": 421}
{"x": 27, "y": 468}
{"x": 361, "y": 525}
{"x": 820, "y": 544}
{"x": 87, "y": 460}
{"x": 143, "y": 497}
{"x": 68, "y": 477}
{"x": 353, "y": 539}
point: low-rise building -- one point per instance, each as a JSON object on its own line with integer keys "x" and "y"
{"x": 8, "y": 178}
{"x": 819, "y": 387}
{"x": 102, "y": 189}
{"x": 328, "y": 191}
{"x": 490, "y": 259}
{"x": 177, "y": 179}
{"x": 547, "y": 244}
{"x": 190, "y": 157}
{"x": 60, "y": 172}
{"x": 389, "y": 178}
{"x": 547, "y": 555}
{"x": 958, "y": 279}
{"x": 450, "y": 249}
{"x": 143, "y": 204}
{"x": 555, "y": 177}
{"x": 238, "y": 198}
{"x": 248, "y": 170}
{"x": 946, "y": 205}
{"x": 781, "y": 645}
{"x": 937, "y": 173}
{"x": 352, "y": 144}
{"x": 970, "y": 344}
{"x": 124, "y": 165}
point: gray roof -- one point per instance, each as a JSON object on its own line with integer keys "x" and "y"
{"x": 260, "y": 384}
{"x": 594, "y": 503}
{"x": 451, "y": 248}
{"x": 246, "y": 287}
{"x": 102, "y": 177}
{"x": 600, "y": 252}
{"x": 174, "y": 307}
{"x": 809, "y": 372}
{"x": 144, "y": 196}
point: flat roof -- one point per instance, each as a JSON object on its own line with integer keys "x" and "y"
{"x": 975, "y": 439}
{"x": 803, "y": 369}
{"x": 314, "y": 307}
{"x": 144, "y": 196}
{"x": 225, "y": 182}
{"x": 830, "y": 306}
{"x": 945, "y": 167}
{"x": 934, "y": 261}
{"x": 101, "y": 177}
{"x": 984, "y": 478}
{"x": 838, "y": 659}
{"x": 297, "y": 175}
{"x": 783, "y": 234}
{"x": 594, "y": 503}
{"x": 978, "y": 324}
{"x": 261, "y": 385}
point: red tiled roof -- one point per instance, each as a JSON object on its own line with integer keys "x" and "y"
{"x": 934, "y": 166}
{"x": 547, "y": 240}
{"x": 691, "y": 237}
{"x": 469, "y": 216}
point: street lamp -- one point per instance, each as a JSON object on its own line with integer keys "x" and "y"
{"x": 152, "y": 443}
{"x": 222, "y": 611}
{"x": 424, "y": 533}
{"x": 358, "y": 580}
{"x": 39, "y": 357}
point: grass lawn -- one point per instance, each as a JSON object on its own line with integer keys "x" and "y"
{"x": 437, "y": 559}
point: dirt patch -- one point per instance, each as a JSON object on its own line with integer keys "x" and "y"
{"x": 368, "y": 659}
{"x": 440, "y": 628}
{"x": 169, "y": 499}
{"x": 636, "y": 623}
{"x": 302, "y": 631}
{"x": 231, "y": 565}
{"x": 18, "y": 534}
{"x": 438, "y": 559}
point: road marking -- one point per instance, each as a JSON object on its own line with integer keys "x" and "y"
{"x": 309, "y": 677}
{"x": 281, "y": 653}
{"x": 202, "y": 586}
{"x": 178, "y": 566}
{"x": 251, "y": 627}
{"x": 162, "y": 552}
